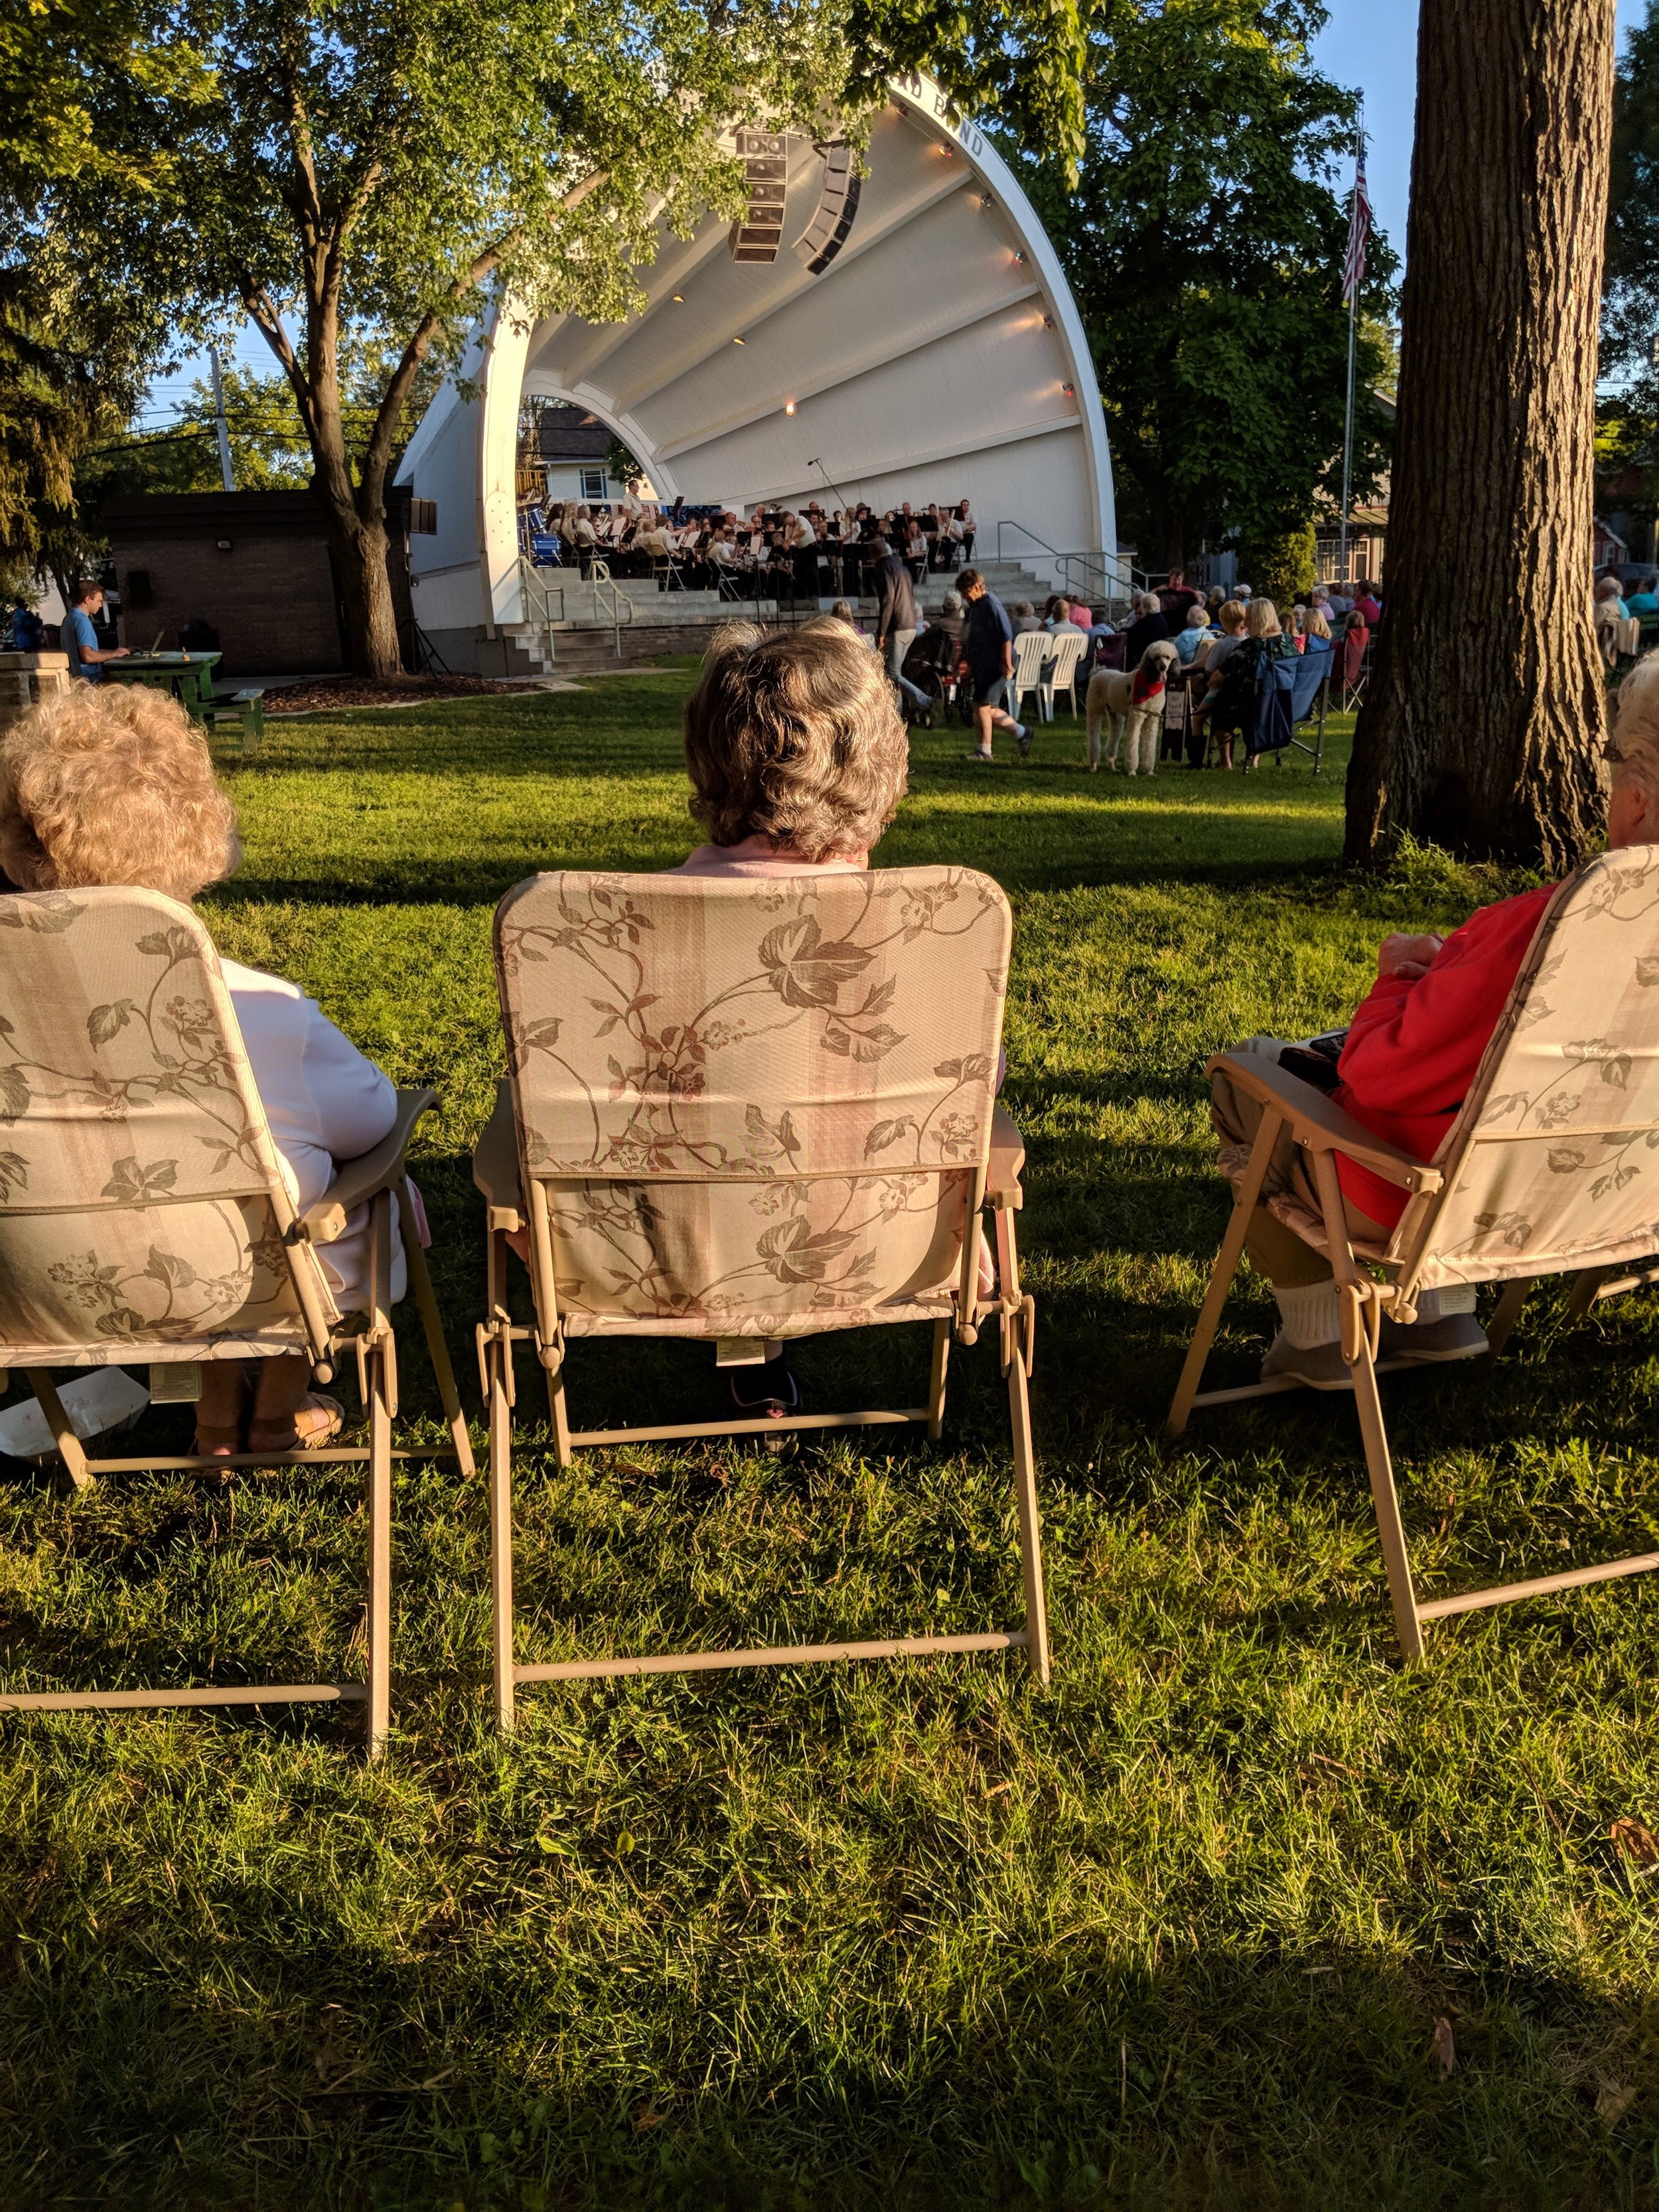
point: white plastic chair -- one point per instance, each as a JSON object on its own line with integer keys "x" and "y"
{"x": 1031, "y": 652}
{"x": 1060, "y": 672}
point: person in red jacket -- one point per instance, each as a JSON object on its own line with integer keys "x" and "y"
{"x": 1405, "y": 1066}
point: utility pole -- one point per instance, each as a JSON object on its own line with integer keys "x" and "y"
{"x": 218, "y": 423}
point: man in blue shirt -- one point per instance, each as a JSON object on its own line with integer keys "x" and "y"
{"x": 80, "y": 639}
{"x": 987, "y": 646}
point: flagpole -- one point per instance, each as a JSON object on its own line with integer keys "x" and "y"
{"x": 1347, "y": 428}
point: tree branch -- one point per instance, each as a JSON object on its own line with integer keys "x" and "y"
{"x": 378, "y": 453}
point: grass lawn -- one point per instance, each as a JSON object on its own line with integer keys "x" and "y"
{"x": 1175, "y": 1932}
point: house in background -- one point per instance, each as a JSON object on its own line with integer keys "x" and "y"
{"x": 563, "y": 456}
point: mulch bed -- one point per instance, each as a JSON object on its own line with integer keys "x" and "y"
{"x": 331, "y": 693}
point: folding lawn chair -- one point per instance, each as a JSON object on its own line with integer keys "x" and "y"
{"x": 1549, "y": 1169}
{"x": 143, "y": 1218}
{"x": 1354, "y": 645}
{"x": 1032, "y": 648}
{"x": 1309, "y": 683}
{"x": 745, "y": 1112}
{"x": 1060, "y": 672}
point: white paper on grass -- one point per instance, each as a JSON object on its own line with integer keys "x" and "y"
{"x": 95, "y": 1403}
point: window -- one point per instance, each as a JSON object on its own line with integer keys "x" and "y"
{"x": 594, "y": 484}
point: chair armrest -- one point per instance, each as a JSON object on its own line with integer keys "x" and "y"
{"x": 495, "y": 1157}
{"x": 1318, "y": 1122}
{"x": 370, "y": 1173}
{"x": 1008, "y": 1158}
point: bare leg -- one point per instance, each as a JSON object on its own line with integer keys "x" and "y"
{"x": 286, "y": 1416}
{"x": 219, "y": 1410}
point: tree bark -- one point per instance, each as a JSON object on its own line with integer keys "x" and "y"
{"x": 359, "y": 548}
{"x": 1483, "y": 724}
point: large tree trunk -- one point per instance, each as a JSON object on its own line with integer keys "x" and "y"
{"x": 359, "y": 548}
{"x": 1484, "y": 721}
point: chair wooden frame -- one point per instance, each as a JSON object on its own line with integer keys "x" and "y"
{"x": 495, "y": 1170}
{"x": 1323, "y": 1129}
{"x": 372, "y": 1179}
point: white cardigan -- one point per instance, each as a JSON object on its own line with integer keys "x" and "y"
{"x": 325, "y": 1102}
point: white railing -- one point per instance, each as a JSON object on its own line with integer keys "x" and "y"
{"x": 545, "y": 603}
{"x": 1097, "y": 576}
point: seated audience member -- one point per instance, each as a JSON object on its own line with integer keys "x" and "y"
{"x": 1150, "y": 624}
{"x": 948, "y": 617}
{"x": 1367, "y": 607}
{"x": 1316, "y": 630}
{"x": 1057, "y": 618}
{"x": 1233, "y": 618}
{"x": 1026, "y": 617}
{"x": 1214, "y": 599}
{"x": 1408, "y": 1058}
{"x": 1175, "y": 596}
{"x": 842, "y": 611}
{"x": 797, "y": 759}
{"x": 1192, "y": 636}
{"x": 1609, "y": 602}
{"x": 116, "y": 786}
{"x": 1644, "y": 600}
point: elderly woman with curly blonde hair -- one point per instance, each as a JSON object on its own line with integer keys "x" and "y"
{"x": 115, "y": 785}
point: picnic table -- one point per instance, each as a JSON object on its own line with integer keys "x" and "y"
{"x": 189, "y": 678}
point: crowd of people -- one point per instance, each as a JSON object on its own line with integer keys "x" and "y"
{"x": 799, "y": 759}
{"x": 811, "y": 552}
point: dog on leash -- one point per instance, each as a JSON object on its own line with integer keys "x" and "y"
{"x": 1134, "y": 700}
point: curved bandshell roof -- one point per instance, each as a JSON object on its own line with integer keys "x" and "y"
{"x": 938, "y": 356}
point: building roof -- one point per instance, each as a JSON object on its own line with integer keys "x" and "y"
{"x": 566, "y": 435}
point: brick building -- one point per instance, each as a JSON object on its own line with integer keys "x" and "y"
{"x": 254, "y": 565}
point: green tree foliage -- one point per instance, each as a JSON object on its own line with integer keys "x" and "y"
{"x": 1205, "y": 244}
{"x": 376, "y": 174}
{"x": 1279, "y": 568}
{"x": 1627, "y": 414}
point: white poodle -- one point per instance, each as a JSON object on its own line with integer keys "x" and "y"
{"x": 1112, "y": 692}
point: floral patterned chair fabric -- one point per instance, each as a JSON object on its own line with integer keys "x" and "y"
{"x": 142, "y": 1204}
{"x": 1551, "y": 1168}
{"x": 755, "y": 1108}
{"x": 1553, "y": 1163}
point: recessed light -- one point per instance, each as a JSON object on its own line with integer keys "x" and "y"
{"x": 739, "y": 342}
{"x": 1070, "y": 390}
{"x": 1019, "y": 258}
{"x": 678, "y": 298}
{"x": 788, "y": 406}
{"x": 1047, "y": 322}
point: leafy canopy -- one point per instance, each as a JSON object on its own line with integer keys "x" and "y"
{"x": 1205, "y": 245}
{"x": 1627, "y": 415}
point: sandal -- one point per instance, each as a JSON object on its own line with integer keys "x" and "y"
{"x": 315, "y": 1422}
{"x": 769, "y": 1388}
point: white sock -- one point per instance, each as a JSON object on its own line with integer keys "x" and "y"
{"x": 1310, "y": 1314}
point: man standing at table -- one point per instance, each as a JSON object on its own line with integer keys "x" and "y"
{"x": 80, "y": 639}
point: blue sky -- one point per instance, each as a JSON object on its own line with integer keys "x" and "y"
{"x": 1370, "y": 44}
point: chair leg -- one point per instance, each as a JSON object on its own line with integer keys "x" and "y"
{"x": 941, "y": 1361}
{"x": 1385, "y": 1498}
{"x": 380, "y": 1556}
{"x": 501, "y": 1535}
{"x": 558, "y": 1414}
{"x": 1030, "y": 1530}
{"x": 380, "y": 1477}
{"x": 432, "y": 1321}
{"x": 63, "y": 1430}
{"x": 1586, "y": 1283}
{"x": 1221, "y": 1275}
{"x": 1357, "y": 1349}
{"x": 1508, "y": 1313}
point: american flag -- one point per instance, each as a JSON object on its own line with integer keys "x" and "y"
{"x": 1359, "y": 232}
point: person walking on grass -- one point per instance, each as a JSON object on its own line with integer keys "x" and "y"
{"x": 988, "y": 651}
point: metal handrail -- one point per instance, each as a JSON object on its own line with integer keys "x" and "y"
{"x": 601, "y": 579}
{"x": 1110, "y": 570}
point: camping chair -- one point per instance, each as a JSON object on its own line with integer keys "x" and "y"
{"x": 1309, "y": 687}
{"x": 745, "y": 1112}
{"x": 1060, "y": 672}
{"x": 1354, "y": 645}
{"x": 143, "y": 1218}
{"x": 1032, "y": 649}
{"x": 1546, "y": 1172}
